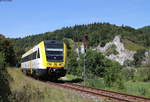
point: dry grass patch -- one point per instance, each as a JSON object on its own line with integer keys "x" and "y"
{"x": 25, "y": 89}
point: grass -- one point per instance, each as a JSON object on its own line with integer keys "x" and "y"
{"x": 137, "y": 88}
{"x": 71, "y": 77}
{"x": 111, "y": 50}
{"x": 132, "y": 46}
{"x": 134, "y": 88}
{"x": 97, "y": 83}
{"x": 25, "y": 89}
{"x": 142, "y": 74}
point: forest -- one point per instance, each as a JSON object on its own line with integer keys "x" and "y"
{"x": 99, "y": 33}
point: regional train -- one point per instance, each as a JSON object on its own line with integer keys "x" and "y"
{"x": 46, "y": 59}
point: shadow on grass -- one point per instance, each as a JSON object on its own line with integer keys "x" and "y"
{"x": 77, "y": 80}
{"x": 48, "y": 79}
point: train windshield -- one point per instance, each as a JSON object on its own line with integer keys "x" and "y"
{"x": 54, "y": 52}
{"x": 54, "y": 46}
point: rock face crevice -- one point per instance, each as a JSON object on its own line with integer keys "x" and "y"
{"x": 122, "y": 55}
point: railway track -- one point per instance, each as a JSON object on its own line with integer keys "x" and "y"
{"x": 119, "y": 97}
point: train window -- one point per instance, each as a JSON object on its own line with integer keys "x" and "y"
{"x": 31, "y": 56}
{"x": 54, "y": 52}
{"x": 25, "y": 59}
{"x": 54, "y": 45}
{"x": 34, "y": 55}
{"x": 38, "y": 54}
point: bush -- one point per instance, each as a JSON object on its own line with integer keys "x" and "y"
{"x": 99, "y": 66}
{"x": 96, "y": 63}
{"x": 96, "y": 66}
{"x": 96, "y": 83}
{"x": 4, "y": 77}
{"x": 142, "y": 74}
{"x": 138, "y": 57}
{"x": 2, "y": 61}
{"x": 73, "y": 67}
{"x": 128, "y": 74}
{"x": 113, "y": 77}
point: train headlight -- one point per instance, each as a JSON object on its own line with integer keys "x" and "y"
{"x": 61, "y": 64}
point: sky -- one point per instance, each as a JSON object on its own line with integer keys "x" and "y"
{"x": 20, "y": 18}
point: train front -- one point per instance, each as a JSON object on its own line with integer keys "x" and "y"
{"x": 56, "y": 58}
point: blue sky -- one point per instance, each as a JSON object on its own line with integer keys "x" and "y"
{"x": 20, "y": 18}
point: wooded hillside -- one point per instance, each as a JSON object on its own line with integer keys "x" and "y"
{"x": 99, "y": 33}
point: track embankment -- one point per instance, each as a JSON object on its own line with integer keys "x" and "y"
{"x": 116, "y": 96}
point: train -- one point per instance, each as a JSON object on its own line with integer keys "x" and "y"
{"x": 46, "y": 59}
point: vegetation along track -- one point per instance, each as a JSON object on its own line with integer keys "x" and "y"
{"x": 119, "y": 97}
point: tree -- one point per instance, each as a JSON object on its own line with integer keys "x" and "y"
{"x": 113, "y": 77}
{"x": 99, "y": 33}
{"x": 72, "y": 63}
{"x": 4, "y": 83}
{"x": 95, "y": 63}
{"x": 7, "y": 48}
{"x": 138, "y": 57}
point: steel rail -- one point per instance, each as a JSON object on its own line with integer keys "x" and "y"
{"x": 121, "y": 97}
{"x": 113, "y": 93}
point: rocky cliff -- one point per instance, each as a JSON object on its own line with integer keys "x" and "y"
{"x": 116, "y": 51}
